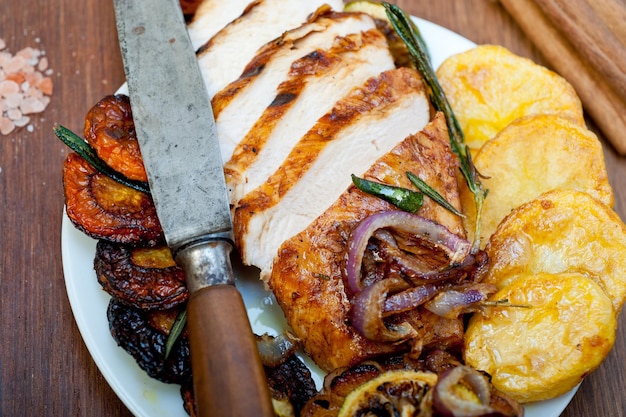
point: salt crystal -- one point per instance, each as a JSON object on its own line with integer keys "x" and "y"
{"x": 43, "y": 64}
{"x": 31, "y": 105}
{"x": 30, "y": 128}
{"x": 34, "y": 92}
{"x": 27, "y": 53}
{"x": 14, "y": 100}
{"x": 45, "y": 85}
{"x": 8, "y": 87}
{"x": 2, "y": 44}
{"x": 22, "y": 121}
{"x": 4, "y": 58}
{"x": 14, "y": 114}
{"x": 15, "y": 64}
{"x": 6, "y": 126}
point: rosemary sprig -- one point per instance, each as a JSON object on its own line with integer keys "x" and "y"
{"x": 175, "y": 332}
{"x": 504, "y": 303}
{"x": 78, "y": 145}
{"x": 432, "y": 193}
{"x": 403, "y": 26}
{"x": 403, "y": 198}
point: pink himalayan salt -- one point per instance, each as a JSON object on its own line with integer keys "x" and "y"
{"x": 8, "y": 87}
{"x": 6, "y": 125}
{"x": 25, "y": 87}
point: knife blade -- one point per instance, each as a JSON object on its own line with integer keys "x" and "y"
{"x": 178, "y": 142}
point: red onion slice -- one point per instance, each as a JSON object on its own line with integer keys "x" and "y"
{"x": 454, "y": 302}
{"x": 367, "y": 307}
{"x": 409, "y": 299}
{"x": 449, "y": 403}
{"x": 455, "y": 247}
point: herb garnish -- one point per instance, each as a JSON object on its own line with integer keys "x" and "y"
{"x": 89, "y": 154}
{"x": 405, "y": 28}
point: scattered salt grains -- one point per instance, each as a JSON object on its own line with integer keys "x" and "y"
{"x": 25, "y": 87}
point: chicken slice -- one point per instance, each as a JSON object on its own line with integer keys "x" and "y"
{"x": 242, "y": 102}
{"x": 361, "y": 127}
{"x": 223, "y": 58}
{"x": 316, "y": 82}
{"x": 307, "y": 273}
{"x": 211, "y": 16}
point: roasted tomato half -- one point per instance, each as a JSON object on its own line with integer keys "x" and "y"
{"x": 131, "y": 329}
{"x": 105, "y": 209}
{"x": 110, "y": 130}
{"x": 145, "y": 278}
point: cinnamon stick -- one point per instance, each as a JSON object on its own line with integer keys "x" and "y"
{"x": 601, "y": 101}
{"x": 594, "y": 40}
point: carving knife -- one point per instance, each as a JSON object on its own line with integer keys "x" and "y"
{"x": 177, "y": 137}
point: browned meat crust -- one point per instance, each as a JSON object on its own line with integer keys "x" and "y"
{"x": 307, "y": 274}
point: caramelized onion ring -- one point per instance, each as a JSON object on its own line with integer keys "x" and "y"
{"x": 454, "y": 246}
{"x": 367, "y": 311}
{"x": 455, "y": 301}
{"x": 448, "y": 401}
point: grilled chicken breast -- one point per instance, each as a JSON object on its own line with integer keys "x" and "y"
{"x": 359, "y": 129}
{"x": 306, "y": 276}
{"x": 315, "y": 83}
{"x": 241, "y": 103}
{"x": 211, "y": 16}
{"x": 305, "y": 96}
{"x": 224, "y": 56}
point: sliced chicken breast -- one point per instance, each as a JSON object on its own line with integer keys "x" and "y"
{"x": 211, "y": 16}
{"x": 223, "y": 58}
{"x": 238, "y": 106}
{"x": 316, "y": 82}
{"x": 307, "y": 273}
{"x": 359, "y": 129}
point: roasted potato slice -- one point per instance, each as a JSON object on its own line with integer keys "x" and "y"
{"x": 544, "y": 350}
{"x": 488, "y": 87}
{"x": 534, "y": 155}
{"x": 561, "y": 231}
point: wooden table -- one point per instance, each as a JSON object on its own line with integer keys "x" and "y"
{"x": 45, "y": 369}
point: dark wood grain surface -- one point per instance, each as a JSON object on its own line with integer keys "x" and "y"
{"x": 45, "y": 369}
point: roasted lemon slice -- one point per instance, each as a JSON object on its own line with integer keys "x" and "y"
{"x": 488, "y": 87}
{"x": 403, "y": 391}
{"x": 561, "y": 231}
{"x": 543, "y": 350}
{"x": 534, "y": 155}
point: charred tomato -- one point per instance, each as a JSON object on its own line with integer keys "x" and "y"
{"x": 145, "y": 278}
{"x": 105, "y": 209}
{"x": 110, "y": 130}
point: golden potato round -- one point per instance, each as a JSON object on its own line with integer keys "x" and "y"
{"x": 534, "y": 155}
{"x": 543, "y": 351}
{"x": 488, "y": 87}
{"x": 561, "y": 231}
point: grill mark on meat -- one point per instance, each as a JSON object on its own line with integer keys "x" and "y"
{"x": 352, "y": 60}
{"x": 280, "y": 53}
{"x": 212, "y": 16}
{"x": 238, "y": 106}
{"x": 318, "y": 309}
{"x": 368, "y": 122}
{"x": 223, "y": 58}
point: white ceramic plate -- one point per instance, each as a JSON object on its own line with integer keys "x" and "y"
{"x": 146, "y": 397}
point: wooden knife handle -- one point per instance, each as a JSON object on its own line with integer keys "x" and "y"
{"x": 228, "y": 376}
